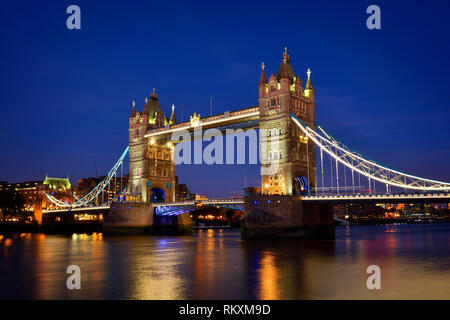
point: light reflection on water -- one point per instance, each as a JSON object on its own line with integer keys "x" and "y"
{"x": 216, "y": 264}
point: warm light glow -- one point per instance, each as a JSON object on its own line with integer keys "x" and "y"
{"x": 152, "y": 141}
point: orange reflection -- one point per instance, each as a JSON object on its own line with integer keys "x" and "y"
{"x": 269, "y": 278}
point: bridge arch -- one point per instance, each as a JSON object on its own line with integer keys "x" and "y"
{"x": 158, "y": 195}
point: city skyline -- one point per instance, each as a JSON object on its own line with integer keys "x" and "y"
{"x": 75, "y": 97}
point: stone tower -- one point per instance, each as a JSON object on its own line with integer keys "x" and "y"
{"x": 152, "y": 165}
{"x": 287, "y": 156}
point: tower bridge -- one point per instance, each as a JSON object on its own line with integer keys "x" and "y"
{"x": 290, "y": 140}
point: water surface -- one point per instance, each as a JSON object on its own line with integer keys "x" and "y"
{"x": 216, "y": 264}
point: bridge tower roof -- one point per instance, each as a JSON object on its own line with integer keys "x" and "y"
{"x": 286, "y": 66}
{"x": 152, "y": 106}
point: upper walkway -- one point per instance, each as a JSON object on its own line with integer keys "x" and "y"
{"x": 244, "y": 118}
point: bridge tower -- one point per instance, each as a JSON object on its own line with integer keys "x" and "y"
{"x": 152, "y": 163}
{"x": 285, "y": 152}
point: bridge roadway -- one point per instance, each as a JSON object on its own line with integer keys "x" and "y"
{"x": 237, "y": 203}
{"x": 336, "y": 199}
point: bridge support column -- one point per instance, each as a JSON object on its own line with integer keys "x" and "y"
{"x": 270, "y": 217}
{"x": 180, "y": 224}
{"x": 139, "y": 218}
{"x": 128, "y": 218}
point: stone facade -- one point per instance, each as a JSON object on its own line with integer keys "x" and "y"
{"x": 285, "y": 216}
{"x": 286, "y": 154}
{"x": 152, "y": 166}
{"x": 125, "y": 218}
{"x": 282, "y": 142}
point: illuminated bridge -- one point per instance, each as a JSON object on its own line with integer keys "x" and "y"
{"x": 414, "y": 189}
{"x": 299, "y": 159}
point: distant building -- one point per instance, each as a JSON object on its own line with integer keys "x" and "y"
{"x": 359, "y": 210}
{"x": 194, "y": 196}
{"x": 252, "y": 191}
{"x": 181, "y": 191}
{"x": 86, "y": 185}
{"x": 34, "y": 193}
{"x": 28, "y": 189}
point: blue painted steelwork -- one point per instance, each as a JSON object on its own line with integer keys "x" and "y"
{"x": 158, "y": 195}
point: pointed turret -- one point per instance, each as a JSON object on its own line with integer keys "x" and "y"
{"x": 153, "y": 95}
{"x": 309, "y": 89}
{"x": 262, "y": 82}
{"x": 133, "y": 110}
{"x": 172, "y": 119}
{"x": 308, "y": 82}
{"x": 286, "y": 67}
{"x": 285, "y": 79}
{"x": 153, "y": 111}
{"x": 262, "y": 79}
{"x": 145, "y": 111}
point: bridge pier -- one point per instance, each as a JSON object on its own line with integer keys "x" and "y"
{"x": 129, "y": 218}
{"x": 140, "y": 218}
{"x": 269, "y": 217}
{"x": 179, "y": 224}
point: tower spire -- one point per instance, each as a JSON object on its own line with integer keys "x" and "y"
{"x": 285, "y": 54}
{"x": 153, "y": 95}
{"x": 262, "y": 79}
{"x": 284, "y": 70}
{"x": 308, "y": 82}
{"x": 172, "y": 119}
{"x": 133, "y": 110}
{"x": 309, "y": 89}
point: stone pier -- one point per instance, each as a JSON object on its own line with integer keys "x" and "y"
{"x": 139, "y": 218}
{"x": 181, "y": 224}
{"x": 268, "y": 217}
{"x": 129, "y": 218}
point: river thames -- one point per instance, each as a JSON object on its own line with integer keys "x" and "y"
{"x": 216, "y": 264}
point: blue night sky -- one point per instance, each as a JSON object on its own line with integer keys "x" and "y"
{"x": 66, "y": 95}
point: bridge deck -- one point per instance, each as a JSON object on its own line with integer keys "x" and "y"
{"x": 330, "y": 199}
